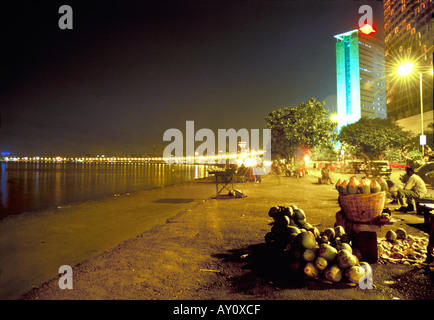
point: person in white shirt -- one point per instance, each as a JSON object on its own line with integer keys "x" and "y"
{"x": 414, "y": 188}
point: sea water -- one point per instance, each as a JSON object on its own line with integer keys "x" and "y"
{"x": 35, "y": 186}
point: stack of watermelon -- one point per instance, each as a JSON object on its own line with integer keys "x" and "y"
{"x": 326, "y": 255}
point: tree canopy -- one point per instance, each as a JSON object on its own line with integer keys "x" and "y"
{"x": 302, "y": 127}
{"x": 374, "y": 137}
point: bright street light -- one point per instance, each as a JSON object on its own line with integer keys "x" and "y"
{"x": 405, "y": 69}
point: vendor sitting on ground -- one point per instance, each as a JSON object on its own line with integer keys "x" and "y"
{"x": 414, "y": 188}
{"x": 325, "y": 174}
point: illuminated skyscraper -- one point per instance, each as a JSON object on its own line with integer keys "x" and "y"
{"x": 360, "y": 75}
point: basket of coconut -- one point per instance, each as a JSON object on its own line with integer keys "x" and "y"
{"x": 362, "y": 201}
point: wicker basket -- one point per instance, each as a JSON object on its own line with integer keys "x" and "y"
{"x": 362, "y": 207}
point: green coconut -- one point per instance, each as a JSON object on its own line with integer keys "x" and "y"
{"x": 346, "y": 259}
{"x": 333, "y": 273}
{"x": 327, "y": 252}
{"x": 401, "y": 233}
{"x": 306, "y": 240}
{"x": 391, "y": 235}
{"x": 355, "y": 273}
{"x": 353, "y": 185}
{"x": 329, "y": 233}
{"x": 309, "y": 255}
{"x": 310, "y": 271}
{"x": 343, "y": 245}
{"x": 338, "y": 184}
{"x": 343, "y": 186}
{"x": 375, "y": 186}
{"x": 273, "y": 211}
{"x": 320, "y": 263}
{"x": 299, "y": 214}
{"x": 339, "y": 231}
{"x": 383, "y": 184}
{"x": 357, "y": 253}
{"x": 364, "y": 186}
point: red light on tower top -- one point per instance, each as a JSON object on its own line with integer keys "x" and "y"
{"x": 367, "y": 29}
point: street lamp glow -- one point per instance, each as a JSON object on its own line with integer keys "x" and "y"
{"x": 334, "y": 117}
{"x": 405, "y": 69}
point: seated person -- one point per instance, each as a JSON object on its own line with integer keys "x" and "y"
{"x": 413, "y": 188}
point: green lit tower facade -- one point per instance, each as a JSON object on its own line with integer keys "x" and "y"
{"x": 360, "y": 77}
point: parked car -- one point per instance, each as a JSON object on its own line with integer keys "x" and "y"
{"x": 356, "y": 166}
{"x": 423, "y": 170}
{"x": 378, "y": 168}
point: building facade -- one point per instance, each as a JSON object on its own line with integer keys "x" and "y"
{"x": 408, "y": 26}
{"x": 360, "y": 77}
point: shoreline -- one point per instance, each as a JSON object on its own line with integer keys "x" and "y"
{"x": 33, "y": 245}
{"x": 107, "y": 197}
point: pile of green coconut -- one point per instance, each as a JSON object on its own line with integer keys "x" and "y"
{"x": 327, "y": 256}
{"x": 364, "y": 186}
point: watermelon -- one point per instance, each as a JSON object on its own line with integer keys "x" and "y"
{"x": 346, "y": 259}
{"x": 320, "y": 263}
{"x": 375, "y": 186}
{"x": 353, "y": 185}
{"x": 327, "y": 252}
{"x": 310, "y": 270}
{"x": 333, "y": 273}
{"x": 354, "y": 273}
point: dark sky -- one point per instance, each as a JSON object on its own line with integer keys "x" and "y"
{"x": 130, "y": 70}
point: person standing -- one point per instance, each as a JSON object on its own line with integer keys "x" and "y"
{"x": 278, "y": 171}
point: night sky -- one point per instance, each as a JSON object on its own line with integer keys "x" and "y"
{"x": 130, "y": 70}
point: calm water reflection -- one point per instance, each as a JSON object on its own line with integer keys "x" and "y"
{"x": 36, "y": 186}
